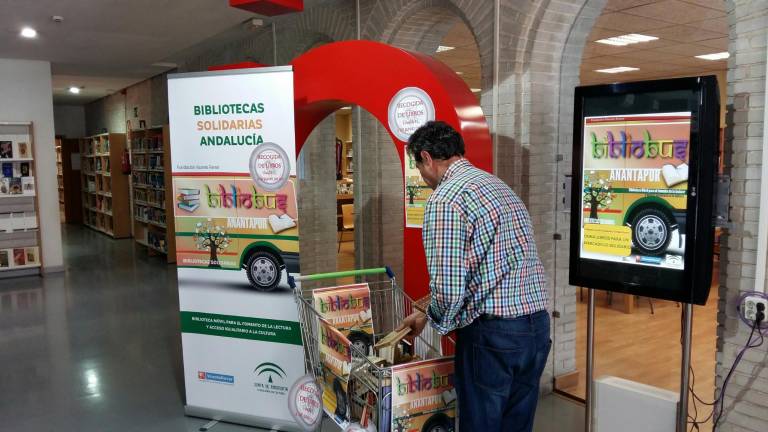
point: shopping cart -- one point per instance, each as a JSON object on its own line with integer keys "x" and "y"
{"x": 369, "y": 384}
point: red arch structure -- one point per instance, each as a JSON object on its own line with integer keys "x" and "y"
{"x": 369, "y": 74}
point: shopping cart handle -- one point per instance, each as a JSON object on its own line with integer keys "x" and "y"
{"x": 362, "y": 272}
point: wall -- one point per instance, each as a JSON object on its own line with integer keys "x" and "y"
{"x": 25, "y": 89}
{"x": 106, "y": 115}
{"x": 746, "y": 402}
{"x": 69, "y": 120}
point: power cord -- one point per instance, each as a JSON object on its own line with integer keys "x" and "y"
{"x": 718, "y": 405}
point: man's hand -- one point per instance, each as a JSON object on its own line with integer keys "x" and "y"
{"x": 416, "y": 322}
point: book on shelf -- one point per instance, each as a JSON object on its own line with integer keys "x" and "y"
{"x": 6, "y": 222}
{"x": 28, "y": 185}
{"x": 24, "y": 150}
{"x": 188, "y": 199}
{"x": 5, "y": 186}
{"x": 6, "y": 149}
{"x": 5, "y": 262}
{"x": 32, "y": 255}
{"x": 24, "y": 169}
{"x": 19, "y": 258}
{"x": 7, "y": 169}
{"x": 15, "y": 186}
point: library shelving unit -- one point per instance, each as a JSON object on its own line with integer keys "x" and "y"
{"x": 68, "y": 176}
{"x": 106, "y": 201}
{"x": 60, "y": 180}
{"x": 20, "y": 239}
{"x": 152, "y": 191}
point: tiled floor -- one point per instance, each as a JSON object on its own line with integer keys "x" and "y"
{"x": 98, "y": 349}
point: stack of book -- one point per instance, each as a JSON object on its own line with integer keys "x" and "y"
{"x": 16, "y": 179}
{"x": 189, "y": 199}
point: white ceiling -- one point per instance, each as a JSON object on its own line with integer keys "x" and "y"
{"x": 106, "y": 45}
{"x": 685, "y": 28}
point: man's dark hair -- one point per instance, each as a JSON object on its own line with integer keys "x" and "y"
{"x": 438, "y": 139}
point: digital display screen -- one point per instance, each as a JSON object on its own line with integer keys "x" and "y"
{"x": 643, "y": 174}
{"x": 635, "y": 188}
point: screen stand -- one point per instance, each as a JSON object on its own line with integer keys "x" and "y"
{"x": 682, "y": 407}
{"x": 589, "y": 408}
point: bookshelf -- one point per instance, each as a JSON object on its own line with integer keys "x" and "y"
{"x": 152, "y": 192}
{"x": 60, "y": 181}
{"x": 19, "y": 221}
{"x": 105, "y": 197}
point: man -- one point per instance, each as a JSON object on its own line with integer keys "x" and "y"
{"x": 486, "y": 281}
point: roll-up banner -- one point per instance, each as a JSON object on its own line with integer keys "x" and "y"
{"x": 237, "y": 239}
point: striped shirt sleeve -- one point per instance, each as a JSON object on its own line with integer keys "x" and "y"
{"x": 445, "y": 235}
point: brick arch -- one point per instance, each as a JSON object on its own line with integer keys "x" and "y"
{"x": 420, "y": 25}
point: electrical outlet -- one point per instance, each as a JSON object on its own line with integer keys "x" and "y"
{"x": 749, "y": 307}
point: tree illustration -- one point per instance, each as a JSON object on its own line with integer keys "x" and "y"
{"x": 211, "y": 237}
{"x": 598, "y": 194}
{"x": 412, "y": 188}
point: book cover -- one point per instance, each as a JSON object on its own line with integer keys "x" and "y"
{"x": 28, "y": 185}
{"x": 4, "y": 261}
{"x": 19, "y": 259}
{"x": 24, "y": 168}
{"x": 189, "y": 192}
{"x": 32, "y": 255}
{"x": 336, "y": 362}
{"x": 15, "y": 186}
{"x": 6, "y": 149}
{"x": 7, "y": 169}
{"x": 5, "y": 186}
{"x": 348, "y": 308}
{"x": 24, "y": 150}
{"x": 423, "y": 396}
{"x": 189, "y": 207}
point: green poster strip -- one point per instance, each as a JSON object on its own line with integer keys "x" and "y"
{"x": 267, "y": 330}
{"x": 248, "y": 236}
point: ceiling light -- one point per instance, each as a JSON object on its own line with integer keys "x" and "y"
{"x": 716, "y": 56}
{"x": 74, "y": 90}
{"x": 443, "y": 48}
{"x": 29, "y": 33}
{"x": 627, "y": 39}
{"x": 476, "y": 90}
{"x": 459, "y": 73}
{"x": 619, "y": 69}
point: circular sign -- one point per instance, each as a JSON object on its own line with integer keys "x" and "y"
{"x": 269, "y": 166}
{"x": 305, "y": 402}
{"x": 408, "y": 110}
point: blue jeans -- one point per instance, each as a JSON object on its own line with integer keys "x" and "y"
{"x": 498, "y": 366}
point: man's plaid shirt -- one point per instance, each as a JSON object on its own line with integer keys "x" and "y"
{"x": 481, "y": 255}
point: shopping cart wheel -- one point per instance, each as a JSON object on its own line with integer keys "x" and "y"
{"x": 438, "y": 423}
{"x": 263, "y": 270}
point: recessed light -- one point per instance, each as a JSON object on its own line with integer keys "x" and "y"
{"x": 165, "y": 64}
{"x": 627, "y": 39}
{"x": 29, "y": 33}
{"x": 74, "y": 90}
{"x": 459, "y": 73}
{"x": 619, "y": 69}
{"x": 476, "y": 90}
{"x": 716, "y": 56}
{"x": 443, "y": 48}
